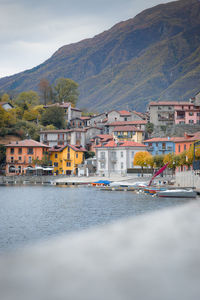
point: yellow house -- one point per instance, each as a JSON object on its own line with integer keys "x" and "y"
{"x": 128, "y": 133}
{"x": 65, "y": 159}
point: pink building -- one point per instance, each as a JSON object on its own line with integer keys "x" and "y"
{"x": 186, "y": 113}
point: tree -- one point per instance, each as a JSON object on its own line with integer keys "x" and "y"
{"x": 173, "y": 161}
{"x": 66, "y": 90}
{"x": 53, "y": 115}
{"x": 27, "y": 99}
{"x": 158, "y": 161}
{"x": 46, "y": 91}
{"x": 149, "y": 128}
{"x": 5, "y": 98}
{"x": 142, "y": 159}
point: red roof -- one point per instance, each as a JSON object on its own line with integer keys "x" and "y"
{"x": 168, "y": 103}
{"x": 122, "y": 123}
{"x": 164, "y": 139}
{"x": 113, "y": 144}
{"x": 27, "y": 143}
{"x": 85, "y": 118}
{"x": 124, "y": 113}
{"x": 127, "y": 128}
{"x": 76, "y": 148}
{"x": 103, "y": 137}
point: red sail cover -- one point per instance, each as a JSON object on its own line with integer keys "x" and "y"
{"x": 158, "y": 173}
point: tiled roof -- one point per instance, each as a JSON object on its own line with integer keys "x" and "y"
{"x": 76, "y": 148}
{"x": 55, "y": 131}
{"x": 127, "y": 128}
{"x": 122, "y": 123}
{"x": 164, "y": 139}
{"x": 85, "y": 118}
{"x": 27, "y": 143}
{"x": 160, "y": 103}
{"x": 64, "y": 105}
{"x": 113, "y": 144}
{"x": 124, "y": 113}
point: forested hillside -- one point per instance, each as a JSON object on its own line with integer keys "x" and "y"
{"x": 154, "y": 56}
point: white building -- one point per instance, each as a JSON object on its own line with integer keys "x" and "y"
{"x": 73, "y": 136}
{"x": 116, "y": 158}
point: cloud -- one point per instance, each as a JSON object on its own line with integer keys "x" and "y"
{"x": 31, "y": 31}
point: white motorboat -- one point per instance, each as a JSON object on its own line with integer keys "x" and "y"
{"x": 177, "y": 193}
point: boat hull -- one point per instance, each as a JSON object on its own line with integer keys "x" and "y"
{"x": 177, "y": 194}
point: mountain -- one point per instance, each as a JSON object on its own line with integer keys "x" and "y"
{"x": 153, "y": 56}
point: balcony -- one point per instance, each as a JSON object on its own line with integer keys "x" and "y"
{"x": 150, "y": 148}
{"x": 113, "y": 159}
{"x": 102, "y": 159}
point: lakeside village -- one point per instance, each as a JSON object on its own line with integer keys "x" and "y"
{"x": 115, "y": 142}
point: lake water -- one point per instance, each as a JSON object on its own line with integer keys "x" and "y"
{"x": 32, "y": 213}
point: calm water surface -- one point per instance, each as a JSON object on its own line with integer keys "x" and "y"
{"x": 31, "y": 213}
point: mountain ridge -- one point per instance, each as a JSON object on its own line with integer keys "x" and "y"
{"x": 148, "y": 57}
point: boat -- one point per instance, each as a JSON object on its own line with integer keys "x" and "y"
{"x": 101, "y": 183}
{"x": 177, "y": 193}
{"x": 153, "y": 190}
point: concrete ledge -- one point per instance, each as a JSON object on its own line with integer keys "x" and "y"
{"x": 154, "y": 257}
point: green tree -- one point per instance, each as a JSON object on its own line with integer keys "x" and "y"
{"x": 66, "y": 90}
{"x": 27, "y": 99}
{"x": 53, "y": 115}
{"x": 149, "y": 128}
{"x": 158, "y": 161}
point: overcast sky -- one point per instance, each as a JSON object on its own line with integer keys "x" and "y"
{"x": 32, "y": 30}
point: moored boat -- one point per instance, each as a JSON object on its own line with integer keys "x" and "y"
{"x": 177, "y": 193}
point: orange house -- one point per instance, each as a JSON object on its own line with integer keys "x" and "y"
{"x": 184, "y": 143}
{"x": 21, "y": 154}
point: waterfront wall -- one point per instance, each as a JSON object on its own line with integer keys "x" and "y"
{"x": 24, "y": 178}
{"x": 152, "y": 257}
{"x": 188, "y": 179}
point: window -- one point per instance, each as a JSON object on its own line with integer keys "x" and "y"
{"x": 163, "y": 145}
{"x": 122, "y": 154}
{"x": 132, "y": 154}
{"x": 55, "y": 164}
{"x": 102, "y": 155}
{"x": 102, "y": 165}
{"x": 76, "y": 155}
{"x": 68, "y": 164}
{"x": 30, "y": 159}
{"x": 30, "y": 151}
{"x": 191, "y": 113}
{"x": 20, "y": 158}
{"x": 159, "y": 108}
{"x": 198, "y": 114}
{"x": 179, "y": 148}
{"x": 20, "y": 151}
{"x": 12, "y": 159}
{"x": 125, "y": 119}
{"x": 12, "y": 150}
{"x": 56, "y": 155}
{"x": 184, "y": 146}
{"x": 191, "y": 121}
{"x": 122, "y": 165}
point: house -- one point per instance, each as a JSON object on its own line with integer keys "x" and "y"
{"x": 100, "y": 139}
{"x": 70, "y": 112}
{"x": 109, "y": 127}
{"x": 159, "y": 146}
{"x": 116, "y": 158}
{"x": 66, "y": 159}
{"x": 75, "y": 136}
{"x": 6, "y": 105}
{"x": 128, "y": 133}
{"x": 21, "y": 155}
{"x": 77, "y": 123}
{"x": 174, "y": 112}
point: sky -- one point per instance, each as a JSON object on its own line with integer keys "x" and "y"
{"x": 32, "y": 30}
